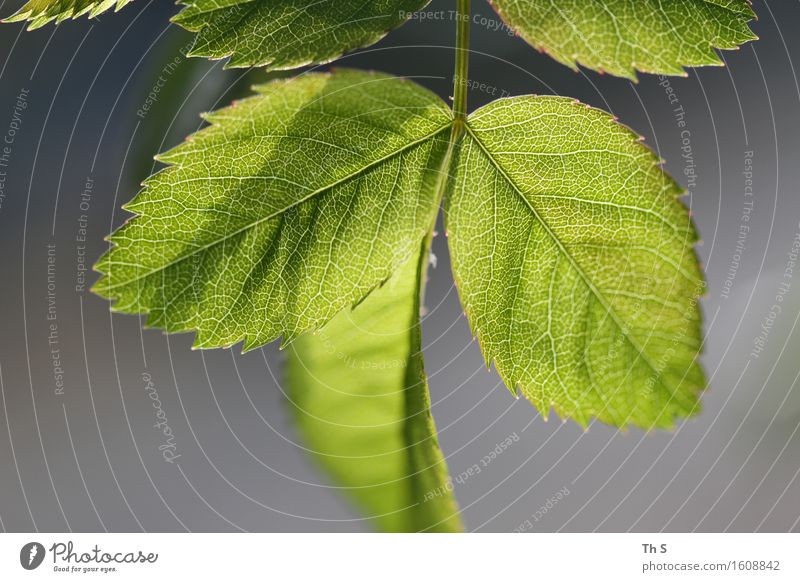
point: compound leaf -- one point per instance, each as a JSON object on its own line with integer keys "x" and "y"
{"x": 40, "y": 12}
{"x": 623, "y": 36}
{"x": 285, "y": 34}
{"x": 360, "y": 396}
{"x": 575, "y": 263}
{"x": 291, "y": 206}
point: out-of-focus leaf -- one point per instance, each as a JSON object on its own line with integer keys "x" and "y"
{"x": 40, "y": 12}
{"x": 360, "y": 395}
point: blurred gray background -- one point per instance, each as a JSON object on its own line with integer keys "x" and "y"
{"x": 87, "y": 459}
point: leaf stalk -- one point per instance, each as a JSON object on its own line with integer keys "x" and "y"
{"x": 461, "y": 74}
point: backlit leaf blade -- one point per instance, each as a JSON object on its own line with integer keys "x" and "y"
{"x": 285, "y": 34}
{"x": 360, "y": 396}
{"x": 40, "y": 12}
{"x": 624, "y": 36}
{"x": 575, "y": 264}
{"x": 291, "y": 206}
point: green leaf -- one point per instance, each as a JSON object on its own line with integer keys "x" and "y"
{"x": 285, "y": 34}
{"x": 575, "y": 263}
{"x": 360, "y": 395}
{"x": 40, "y": 12}
{"x": 189, "y": 86}
{"x": 622, "y": 36}
{"x": 291, "y": 206}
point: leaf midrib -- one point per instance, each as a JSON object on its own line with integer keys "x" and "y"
{"x": 595, "y": 291}
{"x": 272, "y": 215}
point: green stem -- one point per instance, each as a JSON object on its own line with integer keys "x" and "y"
{"x": 417, "y": 398}
{"x": 459, "y": 95}
{"x": 459, "y": 122}
{"x": 460, "y": 85}
{"x": 462, "y": 63}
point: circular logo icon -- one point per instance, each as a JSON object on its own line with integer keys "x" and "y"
{"x": 31, "y": 555}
